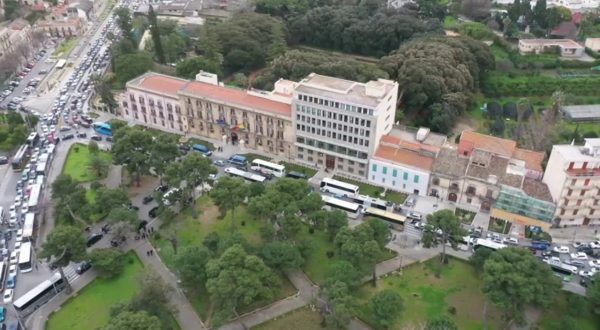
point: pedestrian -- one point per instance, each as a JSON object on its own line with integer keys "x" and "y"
{"x": 36, "y": 266}
{"x": 151, "y": 252}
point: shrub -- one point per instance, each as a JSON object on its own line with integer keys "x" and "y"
{"x": 509, "y": 110}
{"x": 494, "y": 109}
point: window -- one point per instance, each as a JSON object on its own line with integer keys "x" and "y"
{"x": 395, "y": 173}
{"x": 374, "y": 168}
{"x": 384, "y": 170}
{"x": 416, "y": 179}
{"x": 405, "y": 176}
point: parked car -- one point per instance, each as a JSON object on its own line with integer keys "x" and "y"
{"x": 415, "y": 215}
{"x": 93, "y": 239}
{"x": 562, "y": 249}
{"x": 3, "y": 313}
{"x": 219, "y": 162}
{"x": 147, "y": 199}
{"x": 83, "y": 267}
{"x": 153, "y": 212}
{"x": 595, "y": 245}
{"x": 8, "y": 296}
{"x": 81, "y": 135}
{"x": 594, "y": 263}
{"x": 68, "y": 136}
{"x": 11, "y": 281}
{"x": 3, "y": 160}
{"x": 96, "y": 137}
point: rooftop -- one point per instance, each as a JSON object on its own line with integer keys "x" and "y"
{"x": 587, "y": 112}
{"x": 404, "y": 157}
{"x": 368, "y": 94}
{"x": 568, "y": 43}
{"x": 517, "y": 218}
{"x": 158, "y": 83}
{"x": 494, "y": 171}
{"x": 449, "y": 163}
{"x": 590, "y": 152}
{"x": 415, "y": 135}
{"x": 533, "y": 159}
{"x": 470, "y": 140}
{"x": 536, "y": 189}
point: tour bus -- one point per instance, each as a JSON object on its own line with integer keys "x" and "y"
{"x": 338, "y": 187}
{"x": 3, "y": 268}
{"x": 33, "y": 139}
{"x": 351, "y": 209}
{"x": 480, "y": 242}
{"x": 103, "y": 128}
{"x": 39, "y": 295}
{"x": 391, "y": 217}
{"x": 560, "y": 267}
{"x": 264, "y": 166}
{"x": 20, "y": 158}
{"x": 202, "y": 149}
{"x": 25, "y": 261}
{"x": 34, "y": 197}
{"x": 28, "y": 226}
{"x": 368, "y": 201}
{"x": 243, "y": 174}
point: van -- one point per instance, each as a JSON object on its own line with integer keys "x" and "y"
{"x": 238, "y": 160}
{"x": 202, "y": 149}
{"x": 1, "y": 213}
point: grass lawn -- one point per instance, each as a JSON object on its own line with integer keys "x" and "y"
{"x": 426, "y": 295}
{"x": 90, "y": 308}
{"x": 66, "y": 46}
{"x": 90, "y": 196}
{"x": 77, "y": 162}
{"x": 465, "y": 217}
{"x": 550, "y": 319}
{"x": 309, "y": 172}
{"x": 302, "y": 318}
{"x": 374, "y": 191}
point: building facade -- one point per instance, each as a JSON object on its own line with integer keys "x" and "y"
{"x": 537, "y": 205}
{"x": 573, "y": 177}
{"x": 338, "y": 123}
{"x": 567, "y": 47}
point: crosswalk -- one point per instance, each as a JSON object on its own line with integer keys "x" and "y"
{"x": 410, "y": 230}
{"x": 70, "y": 272}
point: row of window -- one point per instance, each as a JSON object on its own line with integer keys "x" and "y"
{"x": 333, "y": 135}
{"x": 332, "y": 148}
{"x": 334, "y": 126}
{"x": 316, "y": 113}
{"x": 393, "y": 182}
{"x": 384, "y": 170}
{"x": 335, "y": 104}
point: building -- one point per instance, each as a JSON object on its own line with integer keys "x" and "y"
{"x": 338, "y": 123}
{"x": 14, "y": 35}
{"x": 532, "y": 200}
{"x": 205, "y": 108}
{"x": 404, "y": 159}
{"x": 593, "y": 44}
{"x": 573, "y": 178}
{"x": 64, "y": 21}
{"x": 586, "y": 112}
{"x": 567, "y": 47}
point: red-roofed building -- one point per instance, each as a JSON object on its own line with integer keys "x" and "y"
{"x": 205, "y": 108}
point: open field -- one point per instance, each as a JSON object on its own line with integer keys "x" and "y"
{"x": 90, "y": 308}
{"x": 77, "y": 162}
{"x": 456, "y": 292}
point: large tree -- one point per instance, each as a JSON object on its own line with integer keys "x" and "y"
{"x": 153, "y": 297}
{"x": 282, "y": 255}
{"x": 132, "y": 148}
{"x": 72, "y": 203}
{"x": 190, "y": 264}
{"x": 133, "y": 321}
{"x": 386, "y": 306}
{"x": 108, "y": 262}
{"x": 358, "y": 246}
{"x": 593, "y": 294}
{"x": 237, "y": 279}
{"x": 450, "y": 227}
{"x": 228, "y": 193}
{"x": 66, "y": 244}
{"x": 514, "y": 278}
{"x": 124, "y": 20}
{"x": 154, "y": 30}
{"x": 163, "y": 152}
{"x": 194, "y": 169}
{"x": 129, "y": 66}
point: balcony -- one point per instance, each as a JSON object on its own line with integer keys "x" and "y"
{"x": 584, "y": 172}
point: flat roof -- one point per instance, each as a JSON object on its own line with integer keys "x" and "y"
{"x": 158, "y": 83}
{"x": 550, "y": 42}
{"x": 404, "y": 157}
{"x": 586, "y": 112}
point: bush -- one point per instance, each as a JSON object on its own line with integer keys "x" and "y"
{"x": 592, "y": 53}
{"x": 590, "y": 135}
{"x": 95, "y": 185}
{"x": 509, "y": 110}
{"x": 330, "y": 254}
{"x": 494, "y": 110}
{"x": 452, "y": 310}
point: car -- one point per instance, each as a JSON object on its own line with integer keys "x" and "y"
{"x": 594, "y": 263}
{"x": 415, "y": 215}
{"x": 8, "y": 296}
{"x": 5, "y": 253}
{"x": 153, "y": 212}
{"x": 83, "y": 267}
{"x": 17, "y": 246}
{"x": 561, "y": 249}
{"x": 3, "y": 313}
{"x": 586, "y": 273}
{"x": 579, "y": 256}
{"x": 219, "y": 162}
{"x": 11, "y": 281}
{"x": 511, "y": 241}
{"x": 212, "y": 176}
{"x": 419, "y": 225}
{"x": 578, "y": 244}
{"x": 595, "y": 245}
{"x": 3, "y": 160}
{"x": 68, "y": 136}
{"x": 575, "y": 262}
{"x": 65, "y": 129}
{"x": 147, "y": 199}
{"x": 96, "y": 138}
{"x": 12, "y": 270}
{"x": 410, "y": 202}
{"x": 93, "y": 239}
{"x": 81, "y": 135}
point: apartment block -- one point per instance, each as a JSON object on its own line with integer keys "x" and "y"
{"x": 338, "y": 123}
{"x": 573, "y": 177}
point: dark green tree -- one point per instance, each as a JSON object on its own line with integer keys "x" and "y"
{"x": 441, "y": 322}
{"x": 132, "y": 148}
{"x": 11, "y": 9}
{"x": 540, "y": 13}
{"x": 66, "y": 244}
{"x": 191, "y": 265}
{"x": 282, "y": 256}
{"x": 479, "y": 258}
{"x": 134, "y": 321}
{"x": 124, "y": 20}
{"x": 228, "y": 193}
{"x": 194, "y": 169}
{"x": 190, "y": 67}
{"x": 335, "y": 221}
{"x": 108, "y": 262}
{"x": 451, "y": 230}
{"x": 386, "y": 306}
{"x": 154, "y": 30}
{"x": 593, "y": 294}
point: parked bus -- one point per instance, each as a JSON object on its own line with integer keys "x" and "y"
{"x": 351, "y": 209}
{"x": 33, "y": 139}
{"x": 20, "y": 158}
{"x": 246, "y": 175}
{"x": 368, "y": 201}
{"x": 103, "y": 128}
{"x": 480, "y": 242}
{"x": 3, "y": 267}
{"x": 34, "y": 197}
{"x": 25, "y": 261}
{"x": 384, "y": 215}
{"x": 28, "y": 226}
{"x": 560, "y": 267}
{"x": 264, "y": 166}
{"x": 61, "y": 63}
{"x": 202, "y": 149}
{"x": 39, "y": 295}
{"x": 338, "y": 187}
{"x": 40, "y": 168}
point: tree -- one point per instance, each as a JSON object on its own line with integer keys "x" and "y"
{"x": 498, "y": 127}
{"x": 103, "y": 89}
{"x": 99, "y": 166}
{"x": 212, "y": 241}
{"x": 124, "y": 215}
{"x": 194, "y": 169}
{"x": 358, "y": 246}
{"x": 336, "y": 220}
{"x": 441, "y": 322}
{"x": 345, "y": 272}
{"x": 237, "y": 279}
{"x": 129, "y": 66}
{"x": 110, "y": 199}
{"x": 190, "y": 67}
{"x": 71, "y": 198}
{"x": 476, "y": 9}
{"x": 381, "y": 231}
{"x": 153, "y": 297}
{"x": 163, "y": 151}
{"x": 511, "y": 268}
{"x": 593, "y": 294}
{"x": 93, "y": 147}
{"x": 540, "y": 13}
{"x": 11, "y": 9}
{"x": 451, "y": 230}
{"x": 386, "y": 306}
{"x": 124, "y": 21}
{"x": 108, "y": 262}
{"x": 160, "y": 55}
{"x": 557, "y": 15}
{"x": 479, "y": 257}
{"x": 282, "y": 255}
{"x": 228, "y": 193}
{"x": 132, "y": 148}
{"x": 191, "y": 265}
{"x": 134, "y": 321}
{"x": 340, "y": 304}
{"x": 282, "y": 8}
{"x": 66, "y": 244}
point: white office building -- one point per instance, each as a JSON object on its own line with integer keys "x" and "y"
{"x": 338, "y": 123}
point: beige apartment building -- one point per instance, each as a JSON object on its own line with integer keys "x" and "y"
{"x": 205, "y": 108}
{"x": 573, "y": 177}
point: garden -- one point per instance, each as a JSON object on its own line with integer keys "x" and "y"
{"x": 465, "y": 216}
{"x": 291, "y": 167}
{"x": 90, "y": 308}
{"x": 499, "y": 226}
{"x": 429, "y": 289}
{"x": 375, "y": 191}
{"x": 84, "y": 165}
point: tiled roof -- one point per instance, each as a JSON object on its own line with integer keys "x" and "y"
{"x": 533, "y": 159}
{"x": 449, "y": 163}
{"x": 236, "y": 97}
{"x": 394, "y": 140}
{"x": 469, "y": 139}
{"x": 537, "y": 189}
{"x": 159, "y": 83}
{"x": 404, "y": 157}
{"x": 496, "y": 167}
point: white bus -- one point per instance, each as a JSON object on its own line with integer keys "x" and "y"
{"x": 368, "y": 201}
{"x": 40, "y": 169}
{"x": 34, "y": 197}
{"x": 3, "y": 268}
{"x": 480, "y": 242}
{"x": 28, "y": 226}
{"x": 264, "y": 166}
{"x": 25, "y": 261}
{"x": 36, "y": 297}
{"x": 351, "y": 209}
{"x": 61, "y": 63}
{"x": 246, "y": 175}
{"x": 338, "y": 187}
{"x": 394, "y": 218}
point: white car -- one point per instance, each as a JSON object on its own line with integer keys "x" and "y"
{"x": 25, "y": 207}
{"x": 511, "y": 241}
{"x": 595, "y": 245}
{"x": 17, "y": 245}
{"x": 562, "y": 249}
{"x": 594, "y": 263}
{"x": 8, "y": 296}
{"x": 579, "y": 256}
{"x": 12, "y": 270}
{"x": 586, "y": 273}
